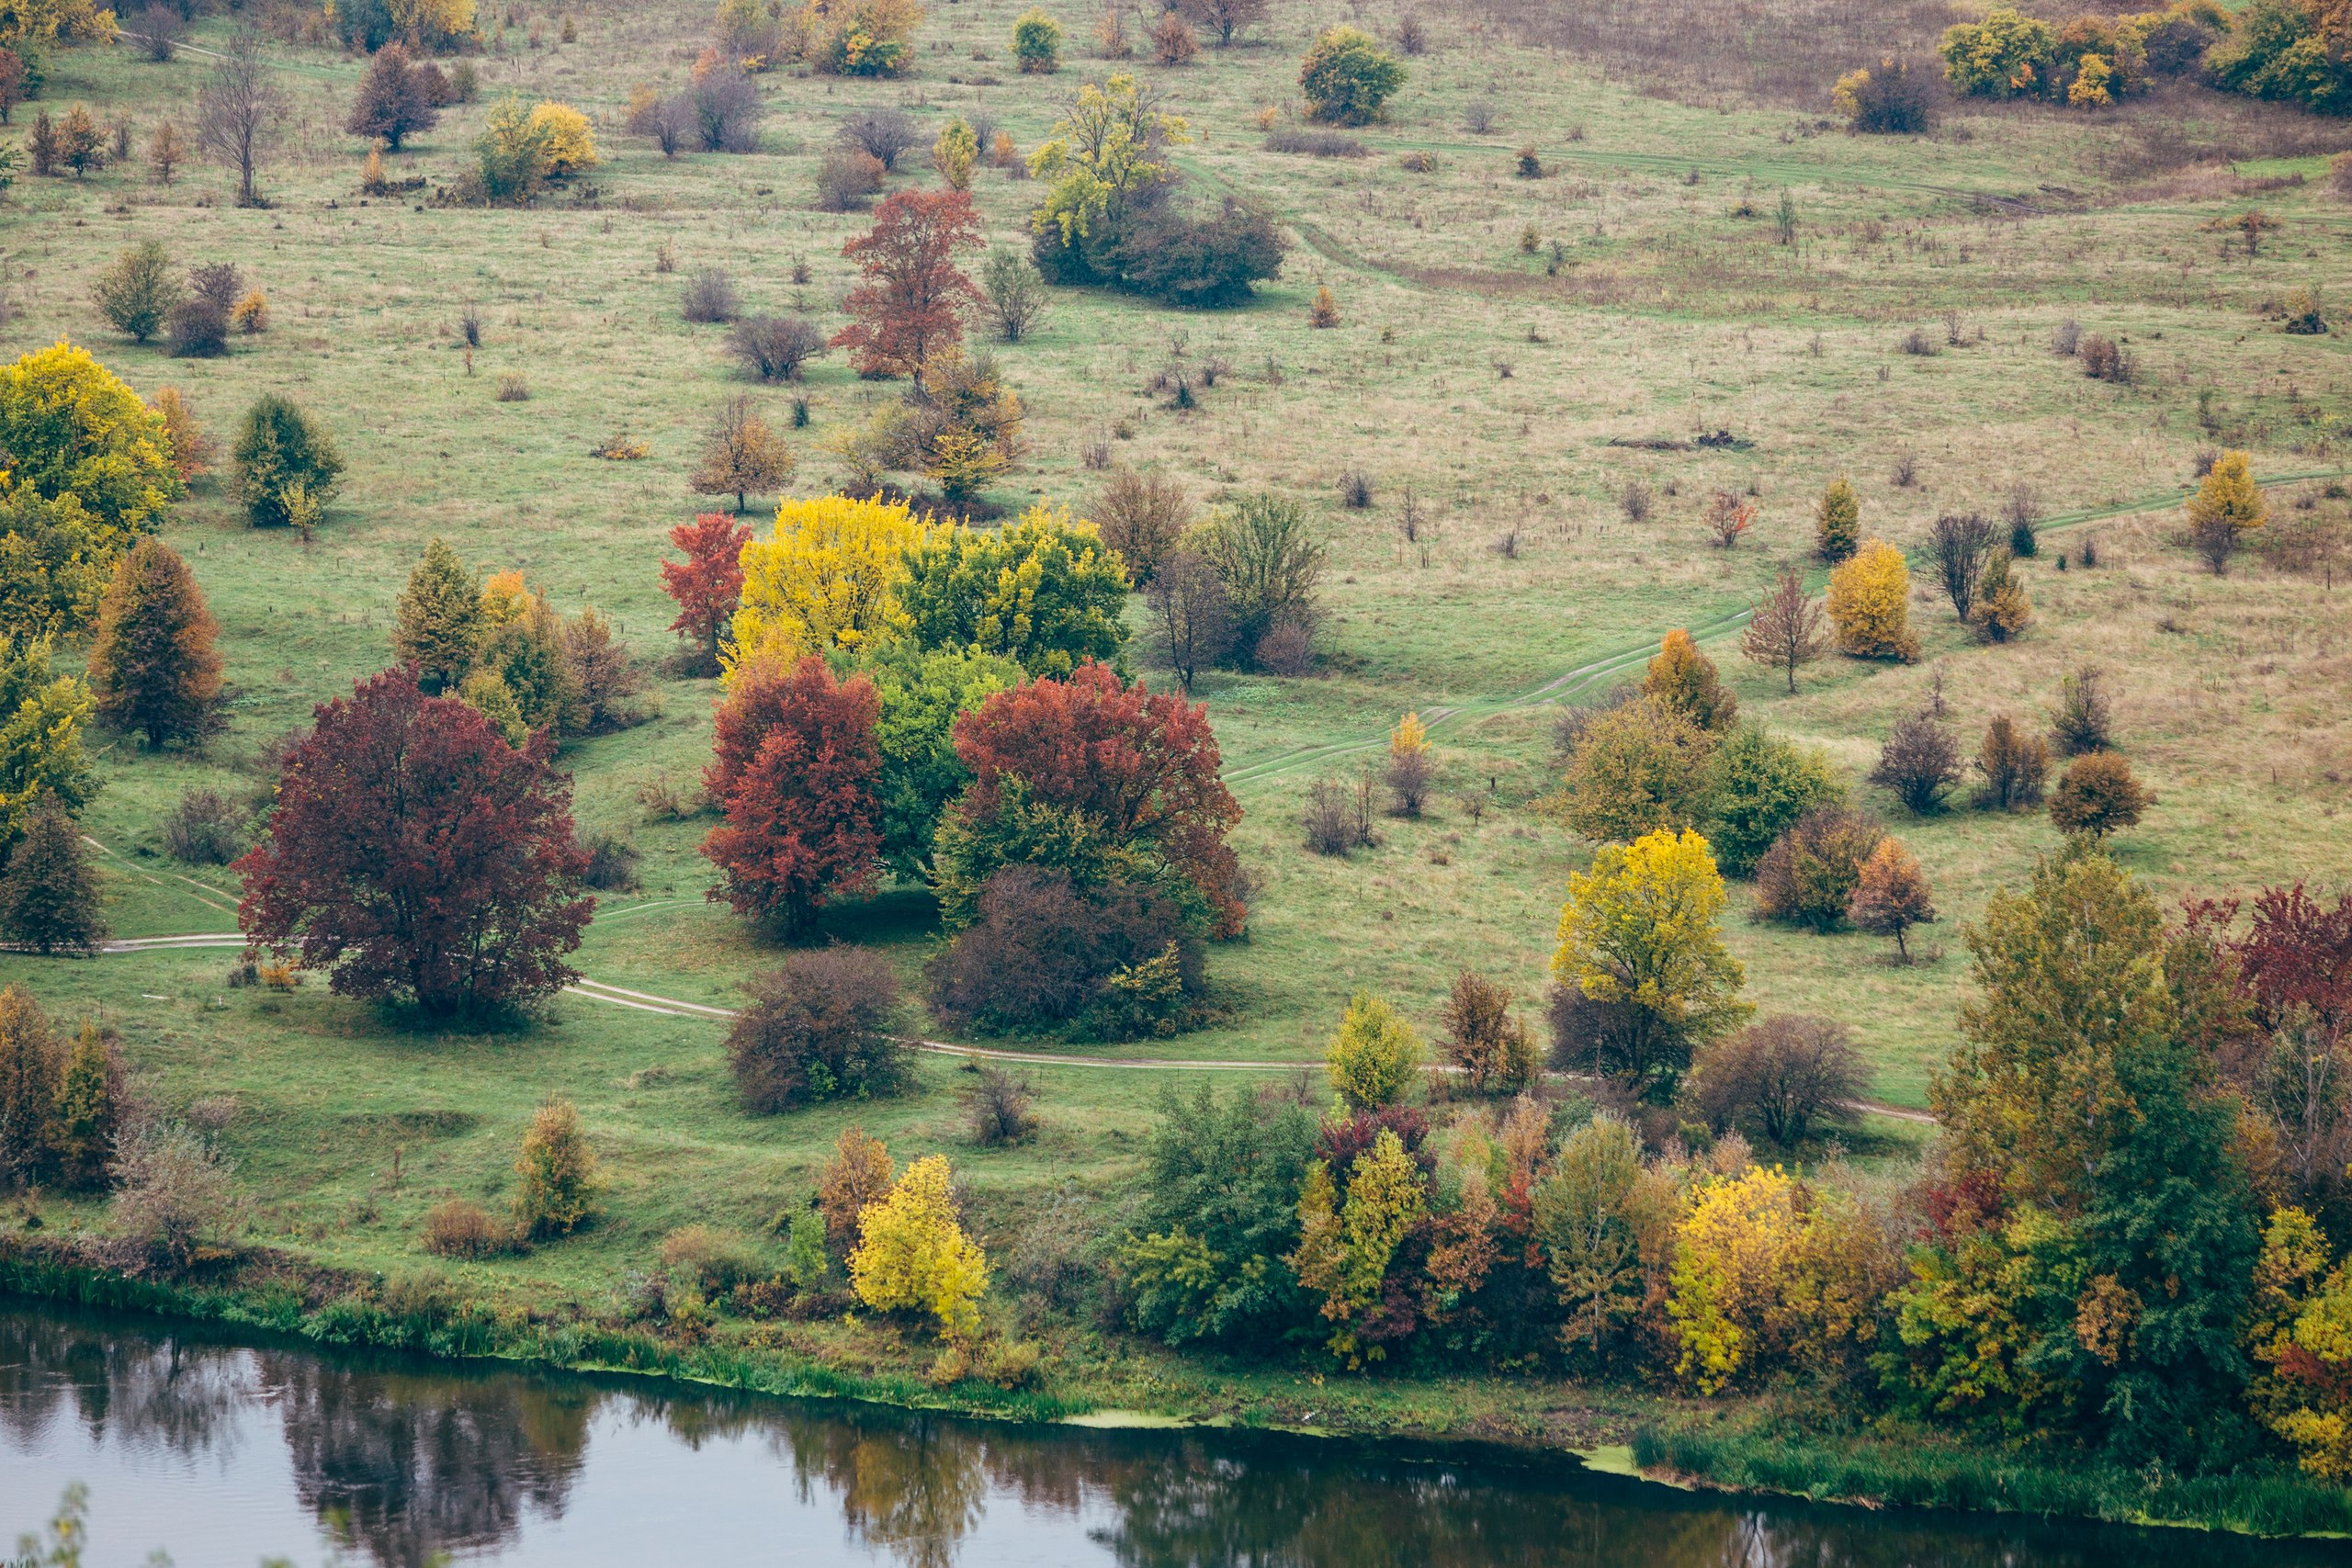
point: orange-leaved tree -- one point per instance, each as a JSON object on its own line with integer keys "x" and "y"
{"x": 911, "y": 295}
{"x": 708, "y": 585}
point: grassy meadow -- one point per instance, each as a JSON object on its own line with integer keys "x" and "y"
{"x": 1505, "y": 344}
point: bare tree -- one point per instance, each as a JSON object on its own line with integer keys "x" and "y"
{"x": 1785, "y": 632}
{"x": 239, "y": 111}
{"x": 1192, "y": 614}
{"x": 1222, "y": 17}
{"x": 1961, "y": 541}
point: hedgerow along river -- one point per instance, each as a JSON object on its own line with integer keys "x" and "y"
{"x": 222, "y": 1451}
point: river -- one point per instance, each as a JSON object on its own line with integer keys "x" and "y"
{"x": 223, "y": 1450}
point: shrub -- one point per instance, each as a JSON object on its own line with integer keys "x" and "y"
{"x": 1203, "y": 261}
{"x": 913, "y": 1254}
{"x": 819, "y": 1028}
{"x": 2002, "y": 611}
{"x": 250, "y": 315}
{"x": 1348, "y": 78}
{"x": 774, "y": 348}
{"x": 456, "y": 1228}
{"x": 1892, "y": 896}
{"x": 1486, "y": 1040}
{"x": 1410, "y": 768}
{"x": 1809, "y": 874}
{"x": 2013, "y": 765}
{"x": 1894, "y": 99}
{"x": 997, "y": 1109}
{"x": 2103, "y": 360}
{"x": 1286, "y": 648}
{"x": 1142, "y": 516}
{"x": 1838, "y": 522}
{"x": 284, "y": 463}
{"x": 1014, "y": 293}
{"x": 1036, "y": 42}
{"x": 396, "y": 98}
{"x": 1779, "y": 1075}
{"x": 1043, "y": 953}
{"x": 708, "y": 296}
{"x": 2097, "y": 795}
{"x": 1329, "y": 823}
{"x": 1869, "y": 603}
{"x": 1961, "y": 542}
{"x": 845, "y": 177}
{"x": 884, "y": 135}
{"x": 1375, "y": 1059}
{"x": 173, "y": 1193}
{"x": 30, "y": 1072}
{"x": 2083, "y": 720}
{"x": 567, "y": 143}
{"x": 742, "y": 455}
{"x": 611, "y": 863}
{"x": 723, "y": 109}
{"x": 1314, "y": 143}
{"x": 856, "y": 1178}
{"x": 1172, "y": 42}
{"x": 1758, "y": 786}
{"x": 51, "y": 899}
{"x": 559, "y": 1170}
{"x": 712, "y": 1261}
{"x": 197, "y": 328}
{"x": 1264, "y": 548}
{"x": 1919, "y": 762}
{"x": 137, "y": 293}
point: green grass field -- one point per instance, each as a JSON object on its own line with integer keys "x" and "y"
{"x": 1497, "y": 395}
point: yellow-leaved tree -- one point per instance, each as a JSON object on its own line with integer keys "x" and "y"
{"x": 1640, "y": 935}
{"x": 1684, "y": 679}
{"x": 567, "y": 142}
{"x": 1869, "y": 604}
{"x": 1348, "y": 1237}
{"x": 912, "y": 1256}
{"x": 1375, "y": 1055}
{"x": 2227, "y": 506}
{"x": 71, "y": 427}
{"x": 828, "y": 578}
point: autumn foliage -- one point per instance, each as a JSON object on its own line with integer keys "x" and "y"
{"x": 153, "y": 668}
{"x": 911, "y": 295}
{"x": 794, "y": 769}
{"x": 708, "y": 585}
{"x": 1869, "y": 604}
{"x": 1127, "y": 767}
{"x": 417, "y": 855}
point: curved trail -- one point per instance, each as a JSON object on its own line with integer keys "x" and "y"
{"x": 671, "y": 1007}
{"x": 1595, "y": 672}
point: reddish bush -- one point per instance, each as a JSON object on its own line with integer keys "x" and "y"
{"x": 794, "y": 769}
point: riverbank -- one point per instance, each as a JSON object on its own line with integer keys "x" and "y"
{"x": 1758, "y": 1447}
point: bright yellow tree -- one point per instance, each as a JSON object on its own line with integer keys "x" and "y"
{"x": 913, "y": 1255}
{"x": 1869, "y": 604}
{"x": 1347, "y": 1240}
{"x": 1375, "y": 1055}
{"x": 1641, "y": 931}
{"x": 955, "y": 154}
{"x": 2228, "y": 498}
{"x": 69, "y": 425}
{"x": 828, "y": 578}
{"x": 567, "y": 142}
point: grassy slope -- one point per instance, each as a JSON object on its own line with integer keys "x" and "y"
{"x": 1672, "y": 314}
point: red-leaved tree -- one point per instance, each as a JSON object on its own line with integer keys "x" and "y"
{"x": 908, "y": 306}
{"x": 1136, "y": 768}
{"x": 794, "y": 769}
{"x": 417, "y": 855}
{"x": 709, "y": 583}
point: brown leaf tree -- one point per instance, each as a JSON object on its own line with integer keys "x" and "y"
{"x": 153, "y": 667}
{"x": 1786, "y": 630}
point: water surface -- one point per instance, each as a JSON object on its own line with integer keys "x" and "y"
{"x": 222, "y": 1451}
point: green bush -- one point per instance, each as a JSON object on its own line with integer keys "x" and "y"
{"x": 1348, "y": 78}
{"x": 1037, "y": 43}
{"x": 284, "y": 462}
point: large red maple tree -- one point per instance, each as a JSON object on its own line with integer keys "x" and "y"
{"x": 794, "y": 769}
{"x": 417, "y": 856}
{"x": 1139, "y": 767}
{"x": 909, "y": 305}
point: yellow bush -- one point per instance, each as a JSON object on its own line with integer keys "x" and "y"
{"x": 828, "y": 578}
{"x": 559, "y": 1172}
{"x": 567, "y": 142}
{"x": 1869, "y": 604}
{"x": 252, "y": 313}
{"x": 1375, "y": 1057}
{"x": 1769, "y": 1270}
{"x": 913, "y": 1255}
{"x": 955, "y": 154}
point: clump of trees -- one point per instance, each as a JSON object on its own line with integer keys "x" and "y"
{"x": 503, "y": 649}
{"x": 1112, "y": 213}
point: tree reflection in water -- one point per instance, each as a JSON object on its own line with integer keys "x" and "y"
{"x": 405, "y": 1459}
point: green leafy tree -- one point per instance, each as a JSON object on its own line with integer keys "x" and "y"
{"x": 29, "y": 1074}
{"x": 922, "y": 693}
{"x": 1220, "y": 1211}
{"x": 2083, "y": 1113}
{"x": 139, "y": 290}
{"x": 1348, "y": 78}
{"x": 53, "y": 561}
{"x": 437, "y": 623}
{"x": 1586, "y": 1217}
{"x": 1837, "y": 523}
{"x": 559, "y": 1170}
{"x": 153, "y": 667}
{"x": 284, "y": 463}
{"x": 1758, "y": 785}
{"x": 89, "y": 1110}
{"x": 1041, "y": 590}
{"x": 42, "y": 720}
{"x": 50, "y": 896}
{"x": 1642, "y": 931}
{"x": 1375, "y": 1058}
{"x": 1102, "y": 156}
{"x": 1264, "y": 548}
{"x": 2006, "y": 55}
{"x": 1036, "y": 42}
